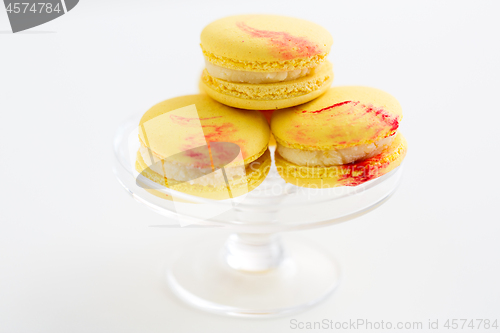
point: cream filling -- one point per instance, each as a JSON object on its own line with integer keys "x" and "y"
{"x": 233, "y": 75}
{"x": 326, "y": 158}
{"x": 189, "y": 174}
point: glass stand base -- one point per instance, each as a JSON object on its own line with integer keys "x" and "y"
{"x": 203, "y": 277}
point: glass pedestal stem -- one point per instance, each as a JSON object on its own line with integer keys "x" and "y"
{"x": 253, "y": 252}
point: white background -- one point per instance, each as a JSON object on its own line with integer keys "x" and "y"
{"x": 76, "y": 252}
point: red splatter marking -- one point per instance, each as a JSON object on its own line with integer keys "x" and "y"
{"x": 363, "y": 171}
{"x": 331, "y": 107}
{"x": 199, "y": 157}
{"x": 219, "y": 132}
{"x": 386, "y": 117}
{"x": 285, "y": 45}
{"x": 223, "y": 154}
{"x": 194, "y": 154}
{"x": 342, "y": 125}
{"x": 213, "y": 133}
{"x": 187, "y": 121}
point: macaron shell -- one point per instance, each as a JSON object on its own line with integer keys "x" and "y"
{"x": 179, "y": 124}
{"x": 342, "y": 117}
{"x": 270, "y": 95}
{"x": 265, "y": 43}
{"x": 266, "y": 113}
{"x": 256, "y": 173}
{"x": 344, "y": 175}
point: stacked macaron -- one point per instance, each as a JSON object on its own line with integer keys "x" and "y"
{"x": 262, "y": 62}
{"x": 345, "y": 137}
{"x": 274, "y": 68}
{"x": 198, "y": 146}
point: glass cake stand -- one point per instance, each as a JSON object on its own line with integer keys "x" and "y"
{"x": 253, "y": 272}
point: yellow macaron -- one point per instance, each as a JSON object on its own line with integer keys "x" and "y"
{"x": 196, "y": 145}
{"x": 263, "y": 62}
{"x": 345, "y": 137}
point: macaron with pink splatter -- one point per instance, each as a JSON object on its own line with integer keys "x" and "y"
{"x": 346, "y": 137}
{"x": 264, "y": 62}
